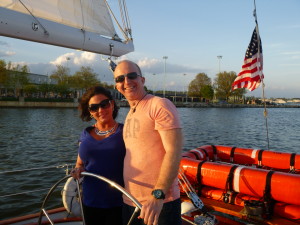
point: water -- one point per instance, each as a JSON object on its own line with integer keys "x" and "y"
{"x": 32, "y": 138}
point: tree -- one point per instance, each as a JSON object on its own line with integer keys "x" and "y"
{"x": 238, "y": 94}
{"x": 3, "y": 74}
{"x": 17, "y": 77}
{"x": 61, "y": 75}
{"x": 45, "y": 89}
{"x": 62, "y": 89}
{"x": 199, "y": 86}
{"x": 84, "y": 78}
{"x": 222, "y": 85}
{"x": 207, "y": 92}
{"x": 30, "y": 89}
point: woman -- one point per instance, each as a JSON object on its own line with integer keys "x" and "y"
{"x": 101, "y": 151}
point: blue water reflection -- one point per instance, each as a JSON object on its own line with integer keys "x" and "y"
{"x": 31, "y": 138}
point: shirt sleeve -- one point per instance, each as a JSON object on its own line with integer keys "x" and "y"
{"x": 165, "y": 115}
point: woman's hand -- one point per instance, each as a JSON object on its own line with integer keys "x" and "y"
{"x": 76, "y": 172}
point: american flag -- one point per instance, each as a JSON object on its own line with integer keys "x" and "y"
{"x": 252, "y": 70}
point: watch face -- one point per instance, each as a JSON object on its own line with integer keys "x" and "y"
{"x": 158, "y": 194}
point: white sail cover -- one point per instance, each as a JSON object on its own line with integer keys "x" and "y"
{"x": 89, "y": 15}
{"x": 79, "y": 24}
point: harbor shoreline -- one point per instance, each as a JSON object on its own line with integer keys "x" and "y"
{"x": 23, "y": 104}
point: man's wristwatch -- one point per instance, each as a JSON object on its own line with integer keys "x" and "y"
{"x": 158, "y": 194}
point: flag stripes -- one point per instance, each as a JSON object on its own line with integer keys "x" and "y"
{"x": 251, "y": 74}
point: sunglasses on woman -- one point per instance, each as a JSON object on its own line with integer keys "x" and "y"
{"x": 131, "y": 76}
{"x": 103, "y": 105}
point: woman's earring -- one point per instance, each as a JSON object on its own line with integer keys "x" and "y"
{"x": 91, "y": 116}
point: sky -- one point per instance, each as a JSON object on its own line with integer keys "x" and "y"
{"x": 192, "y": 34}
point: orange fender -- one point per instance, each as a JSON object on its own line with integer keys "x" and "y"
{"x": 246, "y": 180}
{"x": 246, "y": 156}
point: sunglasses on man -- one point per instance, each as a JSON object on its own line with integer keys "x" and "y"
{"x": 131, "y": 76}
{"x": 103, "y": 105}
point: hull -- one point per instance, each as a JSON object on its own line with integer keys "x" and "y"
{"x": 231, "y": 193}
{"x": 22, "y": 26}
{"x": 58, "y": 215}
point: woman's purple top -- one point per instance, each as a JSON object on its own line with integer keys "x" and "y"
{"x": 105, "y": 158}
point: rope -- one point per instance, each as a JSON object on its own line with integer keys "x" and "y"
{"x": 190, "y": 191}
{"x": 25, "y": 192}
{"x": 83, "y": 24}
{"x": 117, "y": 22}
{"x": 266, "y": 115}
{"x": 126, "y": 20}
{"x": 262, "y": 80}
{"x": 37, "y": 168}
{"x": 45, "y": 31}
{"x": 31, "y": 169}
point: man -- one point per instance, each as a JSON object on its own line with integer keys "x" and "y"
{"x": 153, "y": 140}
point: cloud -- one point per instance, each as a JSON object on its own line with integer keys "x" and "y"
{"x": 273, "y": 45}
{"x": 63, "y": 59}
{"x": 157, "y": 66}
{"x": 293, "y": 26}
{"x": 4, "y": 43}
{"x": 290, "y": 64}
{"x": 291, "y": 53}
{"x": 294, "y": 55}
{"x": 85, "y": 58}
{"x": 42, "y": 68}
{"x": 6, "y": 53}
{"x": 80, "y": 59}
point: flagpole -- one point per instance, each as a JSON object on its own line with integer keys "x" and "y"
{"x": 260, "y": 71}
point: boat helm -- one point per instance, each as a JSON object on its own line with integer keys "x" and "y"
{"x": 70, "y": 197}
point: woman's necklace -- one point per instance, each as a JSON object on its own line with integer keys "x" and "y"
{"x": 134, "y": 109}
{"x": 103, "y": 133}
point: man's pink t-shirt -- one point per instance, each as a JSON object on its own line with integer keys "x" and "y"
{"x": 144, "y": 149}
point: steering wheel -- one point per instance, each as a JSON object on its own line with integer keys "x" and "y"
{"x": 112, "y": 183}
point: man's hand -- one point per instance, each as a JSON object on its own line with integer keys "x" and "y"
{"x": 151, "y": 210}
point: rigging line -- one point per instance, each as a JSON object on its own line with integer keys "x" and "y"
{"x": 124, "y": 16}
{"x": 25, "y": 192}
{"x": 45, "y": 31}
{"x": 82, "y": 29}
{"x": 117, "y": 22}
{"x": 38, "y": 168}
{"x": 262, "y": 80}
{"x": 127, "y": 18}
{"x": 186, "y": 181}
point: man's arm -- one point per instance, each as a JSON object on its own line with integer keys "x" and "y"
{"x": 172, "y": 141}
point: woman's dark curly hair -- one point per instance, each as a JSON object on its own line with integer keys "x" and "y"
{"x": 84, "y": 102}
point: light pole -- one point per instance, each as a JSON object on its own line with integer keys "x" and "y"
{"x": 175, "y": 93}
{"x": 219, "y": 57}
{"x": 154, "y": 84}
{"x": 186, "y": 86}
{"x": 68, "y": 59}
{"x": 165, "y": 58}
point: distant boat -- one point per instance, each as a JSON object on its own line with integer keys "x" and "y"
{"x": 84, "y": 25}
